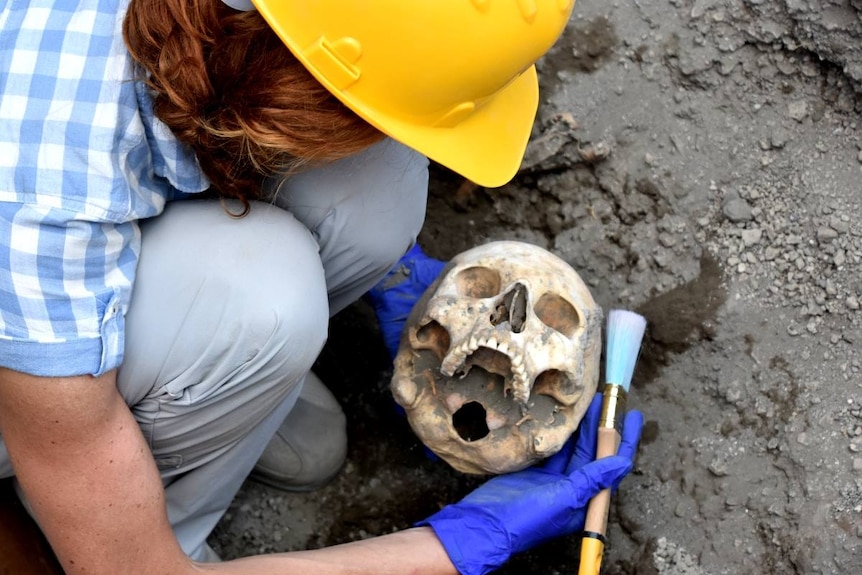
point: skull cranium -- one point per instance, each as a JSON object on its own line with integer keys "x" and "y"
{"x": 500, "y": 358}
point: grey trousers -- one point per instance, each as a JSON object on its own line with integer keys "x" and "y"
{"x": 228, "y": 316}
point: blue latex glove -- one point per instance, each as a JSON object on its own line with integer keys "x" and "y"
{"x": 515, "y": 512}
{"x": 394, "y": 296}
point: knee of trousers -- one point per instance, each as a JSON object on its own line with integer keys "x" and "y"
{"x": 365, "y": 211}
{"x": 222, "y": 303}
{"x": 383, "y": 221}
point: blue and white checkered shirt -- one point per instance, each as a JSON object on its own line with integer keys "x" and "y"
{"x": 82, "y": 158}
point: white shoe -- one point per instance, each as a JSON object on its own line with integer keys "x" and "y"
{"x": 310, "y": 446}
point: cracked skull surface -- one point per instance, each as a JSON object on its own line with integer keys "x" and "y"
{"x": 500, "y": 358}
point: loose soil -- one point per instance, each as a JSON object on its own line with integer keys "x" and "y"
{"x": 699, "y": 162}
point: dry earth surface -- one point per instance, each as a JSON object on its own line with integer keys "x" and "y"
{"x": 700, "y": 162}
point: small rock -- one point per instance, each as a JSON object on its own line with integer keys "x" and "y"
{"x": 602, "y": 209}
{"x": 798, "y": 110}
{"x": 751, "y": 237}
{"x": 718, "y": 467}
{"x": 839, "y": 259}
{"x": 852, "y": 303}
{"x": 825, "y": 234}
{"x": 857, "y": 464}
{"x": 667, "y": 240}
{"x": 779, "y": 139}
{"x": 737, "y": 210}
{"x": 839, "y": 225}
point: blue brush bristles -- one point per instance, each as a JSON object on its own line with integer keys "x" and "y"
{"x": 625, "y": 333}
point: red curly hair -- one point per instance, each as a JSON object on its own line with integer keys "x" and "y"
{"x": 228, "y": 87}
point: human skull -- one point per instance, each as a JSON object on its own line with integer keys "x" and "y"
{"x": 499, "y": 360}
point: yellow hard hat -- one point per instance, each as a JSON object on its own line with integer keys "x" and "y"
{"x": 453, "y": 79}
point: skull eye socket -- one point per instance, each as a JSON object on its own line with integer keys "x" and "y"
{"x": 433, "y": 336}
{"x": 556, "y": 384}
{"x": 478, "y": 282}
{"x": 558, "y": 314}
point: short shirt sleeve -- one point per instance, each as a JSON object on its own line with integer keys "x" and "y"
{"x": 82, "y": 160}
{"x": 66, "y": 290}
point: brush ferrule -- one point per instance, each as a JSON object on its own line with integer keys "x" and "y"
{"x": 613, "y": 407}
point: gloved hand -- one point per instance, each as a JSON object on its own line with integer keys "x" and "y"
{"x": 394, "y": 296}
{"x": 515, "y": 512}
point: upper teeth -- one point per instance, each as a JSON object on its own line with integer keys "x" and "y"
{"x": 457, "y": 356}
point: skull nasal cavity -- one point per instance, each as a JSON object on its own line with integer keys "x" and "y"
{"x": 512, "y": 308}
{"x": 469, "y": 421}
{"x": 478, "y": 282}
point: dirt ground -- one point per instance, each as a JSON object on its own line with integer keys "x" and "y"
{"x": 701, "y": 163}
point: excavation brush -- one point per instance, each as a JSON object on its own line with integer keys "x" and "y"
{"x": 624, "y": 335}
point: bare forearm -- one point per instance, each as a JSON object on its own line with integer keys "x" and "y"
{"x": 89, "y": 475}
{"x": 407, "y": 552}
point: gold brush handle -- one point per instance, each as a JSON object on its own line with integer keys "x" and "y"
{"x": 597, "y": 512}
{"x": 596, "y": 523}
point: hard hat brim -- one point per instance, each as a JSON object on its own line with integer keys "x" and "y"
{"x": 486, "y": 147}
